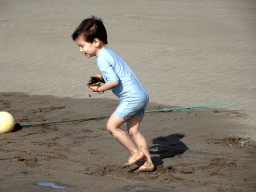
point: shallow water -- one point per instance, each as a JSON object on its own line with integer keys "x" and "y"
{"x": 52, "y": 185}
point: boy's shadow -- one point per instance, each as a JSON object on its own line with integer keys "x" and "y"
{"x": 166, "y": 147}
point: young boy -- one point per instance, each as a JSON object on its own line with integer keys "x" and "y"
{"x": 91, "y": 37}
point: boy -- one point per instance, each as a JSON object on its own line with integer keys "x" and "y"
{"x": 91, "y": 37}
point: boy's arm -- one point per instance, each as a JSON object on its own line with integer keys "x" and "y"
{"x": 104, "y": 87}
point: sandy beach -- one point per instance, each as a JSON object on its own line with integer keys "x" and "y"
{"x": 185, "y": 53}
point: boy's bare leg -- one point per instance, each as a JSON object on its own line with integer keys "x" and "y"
{"x": 133, "y": 129}
{"x": 113, "y": 126}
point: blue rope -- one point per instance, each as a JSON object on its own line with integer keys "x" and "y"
{"x": 151, "y": 111}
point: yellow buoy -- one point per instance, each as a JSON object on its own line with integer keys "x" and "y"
{"x": 6, "y": 122}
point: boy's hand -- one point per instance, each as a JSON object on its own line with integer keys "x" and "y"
{"x": 104, "y": 87}
{"x": 99, "y": 76}
{"x": 95, "y": 81}
{"x": 93, "y": 88}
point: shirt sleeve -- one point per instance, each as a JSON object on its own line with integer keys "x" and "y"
{"x": 107, "y": 69}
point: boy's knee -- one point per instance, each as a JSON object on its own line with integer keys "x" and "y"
{"x": 109, "y": 128}
{"x": 133, "y": 132}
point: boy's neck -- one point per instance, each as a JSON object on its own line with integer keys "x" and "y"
{"x": 99, "y": 49}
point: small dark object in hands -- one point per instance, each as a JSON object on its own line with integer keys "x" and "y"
{"x": 94, "y": 81}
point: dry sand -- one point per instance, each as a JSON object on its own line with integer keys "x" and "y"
{"x": 185, "y": 53}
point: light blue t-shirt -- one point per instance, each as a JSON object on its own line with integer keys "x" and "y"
{"x": 113, "y": 68}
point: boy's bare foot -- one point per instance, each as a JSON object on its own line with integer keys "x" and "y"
{"x": 146, "y": 167}
{"x": 136, "y": 156}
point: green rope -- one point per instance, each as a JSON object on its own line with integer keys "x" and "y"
{"x": 191, "y": 107}
{"x": 62, "y": 121}
{"x": 103, "y": 117}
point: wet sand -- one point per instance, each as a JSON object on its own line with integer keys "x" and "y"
{"x": 192, "y": 148}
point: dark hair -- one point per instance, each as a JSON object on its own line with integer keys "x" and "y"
{"x": 90, "y": 29}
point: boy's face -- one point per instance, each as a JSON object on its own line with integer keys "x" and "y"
{"x": 88, "y": 49}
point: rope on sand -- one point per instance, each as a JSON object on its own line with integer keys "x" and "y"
{"x": 198, "y": 106}
{"x": 103, "y": 117}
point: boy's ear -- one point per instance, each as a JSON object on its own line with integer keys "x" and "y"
{"x": 97, "y": 42}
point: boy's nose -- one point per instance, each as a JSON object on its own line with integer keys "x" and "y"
{"x": 81, "y": 49}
